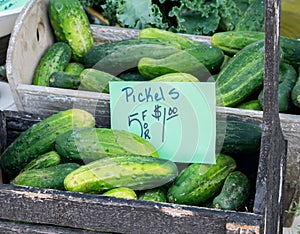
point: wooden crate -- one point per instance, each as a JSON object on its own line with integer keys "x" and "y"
{"x": 29, "y": 210}
{"x": 32, "y": 35}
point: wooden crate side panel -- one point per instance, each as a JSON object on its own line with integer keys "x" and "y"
{"x": 50, "y": 100}
{"x": 18, "y": 122}
{"x": 110, "y": 214}
{"x": 31, "y": 36}
{"x": 10, "y": 227}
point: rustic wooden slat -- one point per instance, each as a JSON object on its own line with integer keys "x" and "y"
{"x": 10, "y": 227}
{"x": 2, "y": 132}
{"x": 110, "y": 214}
{"x": 272, "y": 165}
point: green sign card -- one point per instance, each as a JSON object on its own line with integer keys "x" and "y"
{"x": 178, "y": 118}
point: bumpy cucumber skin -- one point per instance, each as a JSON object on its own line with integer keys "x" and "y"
{"x": 51, "y": 158}
{"x": 95, "y": 80}
{"x": 74, "y": 68}
{"x": 132, "y": 75}
{"x": 234, "y": 193}
{"x": 64, "y": 80}
{"x": 100, "y": 51}
{"x": 128, "y": 58}
{"x": 131, "y": 171}
{"x": 209, "y": 55}
{"x": 176, "y": 77}
{"x": 250, "y": 105}
{"x": 71, "y": 25}
{"x": 295, "y": 95}
{"x": 287, "y": 80}
{"x": 122, "y": 192}
{"x": 199, "y": 182}
{"x": 242, "y": 76}
{"x": 155, "y": 194}
{"x": 50, "y": 177}
{"x": 56, "y": 58}
{"x": 181, "y": 62}
{"x": 186, "y": 61}
{"x": 233, "y": 41}
{"x": 253, "y": 18}
{"x": 177, "y": 40}
{"x": 89, "y": 144}
{"x": 40, "y": 138}
{"x": 291, "y": 51}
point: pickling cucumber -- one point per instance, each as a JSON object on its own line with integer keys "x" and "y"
{"x": 40, "y": 138}
{"x": 132, "y": 171}
{"x": 55, "y": 59}
{"x": 234, "y": 193}
{"x": 199, "y": 182}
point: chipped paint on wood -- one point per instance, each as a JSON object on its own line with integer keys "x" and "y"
{"x": 30, "y": 194}
{"x": 176, "y": 212}
{"x": 235, "y": 228}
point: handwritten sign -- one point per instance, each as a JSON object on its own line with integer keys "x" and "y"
{"x": 178, "y": 118}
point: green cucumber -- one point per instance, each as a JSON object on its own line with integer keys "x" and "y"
{"x": 233, "y": 41}
{"x": 155, "y": 194}
{"x": 100, "y": 51}
{"x": 132, "y": 171}
{"x": 250, "y": 105}
{"x": 122, "y": 192}
{"x": 295, "y": 95}
{"x": 253, "y": 18}
{"x": 55, "y": 59}
{"x": 235, "y": 192}
{"x": 97, "y": 81}
{"x": 71, "y": 25}
{"x": 180, "y": 41}
{"x": 242, "y": 76}
{"x": 88, "y": 144}
{"x": 74, "y": 68}
{"x": 287, "y": 80}
{"x": 176, "y": 77}
{"x": 131, "y": 75}
{"x": 199, "y": 182}
{"x": 181, "y": 62}
{"x": 64, "y": 80}
{"x": 40, "y": 138}
{"x": 209, "y": 55}
{"x": 50, "y": 177}
{"x": 237, "y": 138}
{"x": 128, "y": 58}
{"x": 51, "y": 158}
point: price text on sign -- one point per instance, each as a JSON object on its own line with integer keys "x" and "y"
{"x": 178, "y": 118}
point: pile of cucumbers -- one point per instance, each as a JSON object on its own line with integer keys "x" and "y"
{"x": 234, "y": 60}
{"x": 74, "y": 61}
{"x": 67, "y": 152}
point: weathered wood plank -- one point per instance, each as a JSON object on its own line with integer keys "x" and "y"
{"x": 110, "y": 214}
{"x": 272, "y": 160}
{"x": 10, "y": 227}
